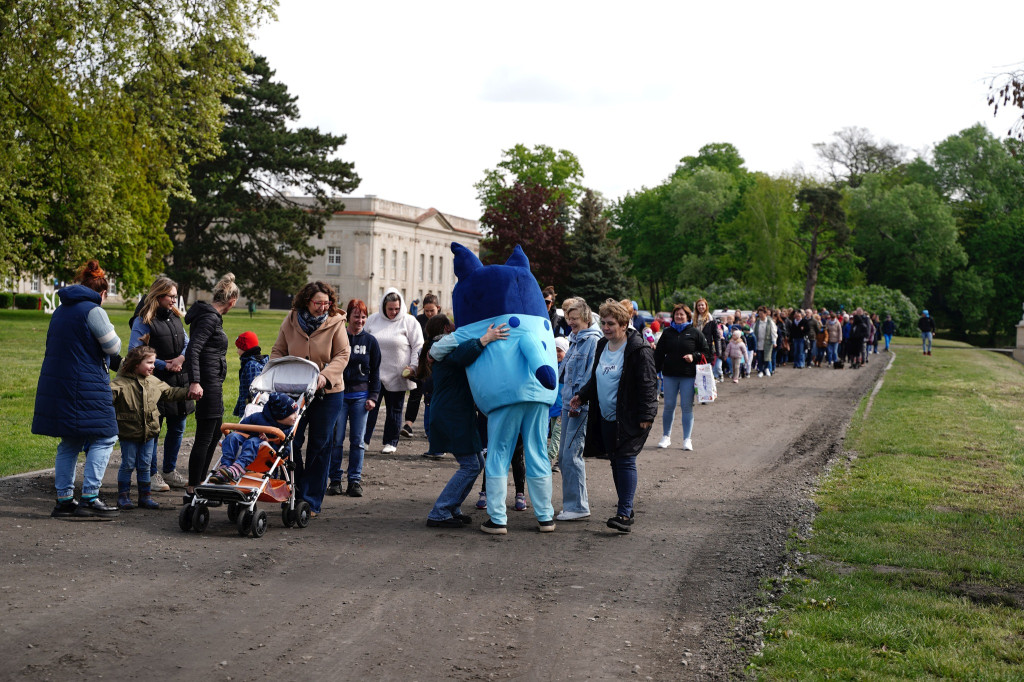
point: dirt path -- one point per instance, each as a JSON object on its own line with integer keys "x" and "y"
{"x": 368, "y": 590}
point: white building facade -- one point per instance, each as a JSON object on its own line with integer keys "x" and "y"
{"x": 375, "y": 244}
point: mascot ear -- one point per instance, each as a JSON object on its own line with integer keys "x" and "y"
{"x": 518, "y": 259}
{"x": 465, "y": 260}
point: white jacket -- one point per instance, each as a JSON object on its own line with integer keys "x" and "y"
{"x": 400, "y": 340}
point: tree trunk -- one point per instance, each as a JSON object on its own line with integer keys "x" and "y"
{"x": 810, "y": 283}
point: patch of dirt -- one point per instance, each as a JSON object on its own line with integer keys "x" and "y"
{"x": 368, "y": 590}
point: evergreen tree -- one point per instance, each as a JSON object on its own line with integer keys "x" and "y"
{"x": 243, "y": 220}
{"x": 598, "y": 269}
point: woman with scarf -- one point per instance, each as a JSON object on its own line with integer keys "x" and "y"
{"x": 315, "y": 330}
{"x": 679, "y": 351}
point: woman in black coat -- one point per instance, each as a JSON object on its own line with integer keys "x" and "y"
{"x": 676, "y": 356}
{"x": 623, "y": 393}
{"x": 207, "y": 367}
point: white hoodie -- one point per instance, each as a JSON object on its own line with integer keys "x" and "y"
{"x": 400, "y": 341}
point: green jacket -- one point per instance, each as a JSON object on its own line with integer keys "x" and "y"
{"x": 135, "y": 399}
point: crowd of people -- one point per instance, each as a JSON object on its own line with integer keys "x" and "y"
{"x": 612, "y": 371}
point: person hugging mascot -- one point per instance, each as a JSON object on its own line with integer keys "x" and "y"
{"x": 513, "y": 382}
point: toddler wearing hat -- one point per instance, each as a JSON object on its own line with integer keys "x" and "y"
{"x": 238, "y": 450}
{"x": 253, "y": 362}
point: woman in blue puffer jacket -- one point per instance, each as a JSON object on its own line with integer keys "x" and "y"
{"x": 574, "y": 371}
{"x": 73, "y": 400}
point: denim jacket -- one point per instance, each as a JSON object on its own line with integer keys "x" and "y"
{"x": 575, "y": 368}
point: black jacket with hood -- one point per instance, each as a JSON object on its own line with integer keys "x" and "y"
{"x": 636, "y": 401}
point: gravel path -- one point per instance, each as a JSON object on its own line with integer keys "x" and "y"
{"x": 368, "y": 590}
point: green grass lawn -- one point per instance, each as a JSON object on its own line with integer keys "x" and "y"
{"x": 22, "y": 343}
{"x": 918, "y": 550}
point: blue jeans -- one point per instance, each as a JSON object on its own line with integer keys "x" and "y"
{"x": 798, "y": 352}
{"x": 926, "y": 342}
{"x": 136, "y": 455}
{"x": 172, "y": 444}
{"x": 321, "y": 417}
{"x": 833, "y": 354}
{"x": 623, "y": 470}
{"x": 888, "y": 340}
{"x": 392, "y": 416}
{"x": 717, "y": 369}
{"x": 570, "y": 461}
{"x": 97, "y": 454}
{"x": 353, "y": 413}
{"x": 449, "y": 502}
{"x": 682, "y": 387}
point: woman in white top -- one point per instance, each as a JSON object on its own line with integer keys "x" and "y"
{"x": 400, "y": 339}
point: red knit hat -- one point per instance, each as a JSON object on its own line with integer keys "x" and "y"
{"x": 246, "y": 341}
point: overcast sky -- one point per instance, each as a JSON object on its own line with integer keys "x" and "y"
{"x": 429, "y": 94}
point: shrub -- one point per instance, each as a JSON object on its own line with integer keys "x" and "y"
{"x": 27, "y": 301}
{"x": 6, "y": 300}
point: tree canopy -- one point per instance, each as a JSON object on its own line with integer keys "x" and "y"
{"x": 558, "y": 171}
{"x": 104, "y": 106}
{"x": 242, "y": 219}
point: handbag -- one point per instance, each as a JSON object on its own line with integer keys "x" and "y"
{"x": 707, "y": 389}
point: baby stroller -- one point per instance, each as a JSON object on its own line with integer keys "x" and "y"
{"x": 270, "y": 477}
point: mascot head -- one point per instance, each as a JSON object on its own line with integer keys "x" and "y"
{"x": 485, "y": 291}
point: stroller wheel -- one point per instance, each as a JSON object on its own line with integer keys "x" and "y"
{"x": 259, "y": 524}
{"x": 244, "y": 521}
{"x": 287, "y": 516}
{"x": 233, "y": 512}
{"x": 200, "y": 518}
{"x": 185, "y": 518}
{"x": 302, "y": 514}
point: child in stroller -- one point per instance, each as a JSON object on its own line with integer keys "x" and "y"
{"x": 239, "y": 449}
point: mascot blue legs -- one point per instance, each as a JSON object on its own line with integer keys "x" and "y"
{"x": 503, "y": 426}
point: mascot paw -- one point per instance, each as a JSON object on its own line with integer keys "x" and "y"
{"x": 546, "y": 376}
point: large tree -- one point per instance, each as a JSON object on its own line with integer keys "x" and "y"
{"x": 983, "y": 178}
{"x": 242, "y": 219}
{"x": 104, "y": 105}
{"x": 558, "y": 171}
{"x": 527, "y": 214}
{"x": 647, "y": 236}
{"x": 760, "y": 238}
{"x": 821, "y": 233}
{"x": 906, "y": 235}
{"x": 854, "y": 153}
{"x": 597, "y": 266}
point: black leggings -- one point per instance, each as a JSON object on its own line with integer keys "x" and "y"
{"x": 205, "y": 444}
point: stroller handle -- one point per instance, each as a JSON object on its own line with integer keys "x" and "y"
{"x": 274, "y": 434}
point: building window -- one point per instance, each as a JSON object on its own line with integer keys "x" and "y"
{"x": 111, "y": 287}
{"x": 380, "y": 295}
{"x": 405, "y": 265}
{"x": 36, "y": 284}
{"x": 394, "y": 265}
{"x": 403, "y": 295}
{"x": 440, "y": 269}
{"x": 431, "y": 269}
{"x": 383, "y": 263}
{"x": 421, "y": 268}
{"x": 334, "y": 255}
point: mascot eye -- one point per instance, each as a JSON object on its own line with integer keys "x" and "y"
{"x": 547, "y": 325}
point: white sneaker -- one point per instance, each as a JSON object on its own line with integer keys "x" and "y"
{"x": 175, "y": 480}
{"x": 572, "y": 516}
{"x": 388, "y": 449}
{"x": 664, "y": 442}
{"x": 760, "y": 374}
{"x": 687, "y": 444}
{"x": 157, "y": 485}
{"x": 767, "y": 372}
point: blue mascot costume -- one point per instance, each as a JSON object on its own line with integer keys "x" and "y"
{"x": 513, "y": 382}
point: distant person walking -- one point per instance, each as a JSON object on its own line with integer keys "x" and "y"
{"x": 927, "y": 326}
{"x": 888, "y": 331}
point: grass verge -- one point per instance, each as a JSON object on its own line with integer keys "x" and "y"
{"x": 22, "y": 344}
{"x": 917, "y": 558}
